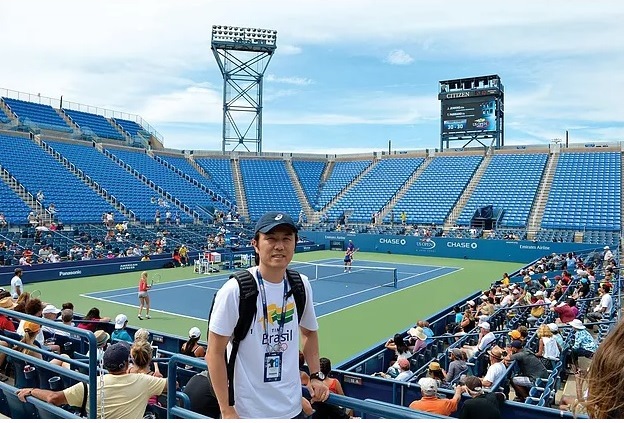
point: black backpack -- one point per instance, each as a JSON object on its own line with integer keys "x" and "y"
{"x": 247, "y": 313}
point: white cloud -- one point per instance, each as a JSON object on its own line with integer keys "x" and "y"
{"x": 288, "y": 49}
{"x": 292, "y": 80}
{"x": 398, "y": 57}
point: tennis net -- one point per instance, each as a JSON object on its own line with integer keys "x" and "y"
{"x": 368, "y": 275}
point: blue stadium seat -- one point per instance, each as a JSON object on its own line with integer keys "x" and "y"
{"x": 96, "y": 123}
{"x": 44, "y": 116}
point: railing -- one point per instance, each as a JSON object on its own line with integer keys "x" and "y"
{"x": 90, "y": 379}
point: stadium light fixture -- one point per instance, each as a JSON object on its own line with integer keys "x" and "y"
{"x": 244, "y": 36}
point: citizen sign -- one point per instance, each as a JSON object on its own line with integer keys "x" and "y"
{"x": 393, "y": 241}
{"x": 469, "y": 245}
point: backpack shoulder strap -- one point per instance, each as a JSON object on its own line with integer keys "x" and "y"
{"x": 246, "y": 313}
{"x": 298, "y": 291}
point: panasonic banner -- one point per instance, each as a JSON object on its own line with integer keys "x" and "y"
{"x": 474, "y": 249}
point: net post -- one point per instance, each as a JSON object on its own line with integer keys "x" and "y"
{"x": 395, "y": 274}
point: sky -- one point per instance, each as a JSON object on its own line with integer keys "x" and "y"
{"x": 347, "y": 75}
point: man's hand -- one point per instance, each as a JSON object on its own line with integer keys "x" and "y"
{"x": 229, "y": 413}
{"x": 23, "y": 393}
{"x": 318, "y": 391}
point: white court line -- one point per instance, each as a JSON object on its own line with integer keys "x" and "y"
{"x": 378, "y": 287}
{"x": 203, "y": 280}
{"x": 391, "y": 293}
{"x": 135, "y": 292}
{"x": 151, "y": 308}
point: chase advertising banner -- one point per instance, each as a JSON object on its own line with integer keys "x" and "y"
{"x": 475, "y": 249}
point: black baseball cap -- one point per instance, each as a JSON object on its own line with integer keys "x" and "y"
{"x": 273, "y": 219}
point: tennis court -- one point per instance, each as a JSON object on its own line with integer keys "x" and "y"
{"x": 334, "y": 290}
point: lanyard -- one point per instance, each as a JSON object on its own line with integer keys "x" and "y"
{"x": 282, "y": 319}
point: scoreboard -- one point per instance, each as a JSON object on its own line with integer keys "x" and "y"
{"x": 462, "y": 115}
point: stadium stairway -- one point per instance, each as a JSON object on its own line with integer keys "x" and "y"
{"x": 303, "y": 200}
{"x": 239, "y": 188}
{"x": 8, "y": 112}
{"x": 463, "y": 199}
{"x": 401, "y": 192}
{"x": 116, "y": 204}
{"x": 69, "y": 122}
{"x": 353, "y": 182}
{"x": 121, "y": 131}
{"x": 25, "y": 195}
{"x": 537, "y": 211}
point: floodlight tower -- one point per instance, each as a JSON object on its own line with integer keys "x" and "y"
{"x": 243, "y": 55}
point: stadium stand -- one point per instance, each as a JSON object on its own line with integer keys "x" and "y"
{"x": 109, "y": 175}
{"x": 419, "y": 202}
{"x": 375, "y": 189}
{"x": 343, "y": 174}
{"x": 275, "y": 186}
{"x": 309, "y": 173}
{"x": 509, "y": 183}
{"x": 37, "y": 170}
{"x": 45, "y": 117}
{"x": 220, "y": 170}
{"x": 190, "y": 195}
{"x": 4, "y": 118}
{"x": 182, "y": 164}
{"x": 130, "y": 127}
{"x": 585, "y": 192}
{"x": 12, "y": 206}
{"x": 96, "y": 123}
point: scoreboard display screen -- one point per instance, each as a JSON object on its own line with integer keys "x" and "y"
{"x": 469, "y": 115}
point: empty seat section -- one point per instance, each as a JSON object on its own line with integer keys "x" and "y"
{"x": 510, "y": 183}
{"x": 97, "y": 123}
{"x": 44, "y": 116}
{"x": 220, "y": 170}
{"x": 309, "y": 173}
{"x": 130, "y": 127}
{"x": 342, "y": 174}
{"x": 192, "y": 196}
{"x": 185, "y": 166}
{"x": 134, "y": 194}
{"x": 585, "y": 192}
{"x": 375, "y": 189}
{"x": 434, "y": 193}
{"x": 37, "y": 170}
{"x": 268, "y": 187}
{"x": 14, "y": 209}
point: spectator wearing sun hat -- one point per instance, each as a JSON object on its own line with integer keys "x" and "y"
{"x": 431, "y": 403}
{"x": 496, "y": 370}
{"x": 101, "y": 338}
{"x": 608, "y": 255}
{"x": 120, "y": 333}
{"x": 435, "y": 371}
{"x": 584, "y": 344}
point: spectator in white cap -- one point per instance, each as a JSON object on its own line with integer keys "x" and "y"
{"x": 431, "y": 403}
{"x": 486, "y": 339}
{"x": 120, "y": 333}
{"x": 608, "y": 255}
{"x": 51, "y": 313}
{"x": 191, "y": 347}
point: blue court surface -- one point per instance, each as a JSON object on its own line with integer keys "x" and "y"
{"x": 333, "y": 289}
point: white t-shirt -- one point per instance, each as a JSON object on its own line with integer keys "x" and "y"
{"x": 551, "y": 350}
{"x": 486, "y": 341}
{"x": 606, "y": 302}
{"x": 255, "y": 398}
{"x": 495, "y": 372}
{"x": 15, "y": 282}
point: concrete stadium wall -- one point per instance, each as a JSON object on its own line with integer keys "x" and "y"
{"x": 474, "y": 249}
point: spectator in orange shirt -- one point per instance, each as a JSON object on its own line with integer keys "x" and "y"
{"x": 431, "y": 403}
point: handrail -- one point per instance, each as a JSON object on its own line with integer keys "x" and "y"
{"x": 62, "y": 413}
{"x": 174, "y": 410}
{"x": 91, "y": 379}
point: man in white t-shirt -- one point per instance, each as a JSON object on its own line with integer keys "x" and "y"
{"x": 266, "y": 382}
{"x": 497, "y": 368}
{"x": 608, "y": 255}
{"x": 602, "y": 310}
{"x": 486, "y": 339}
{"x": 16, "y": 284}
